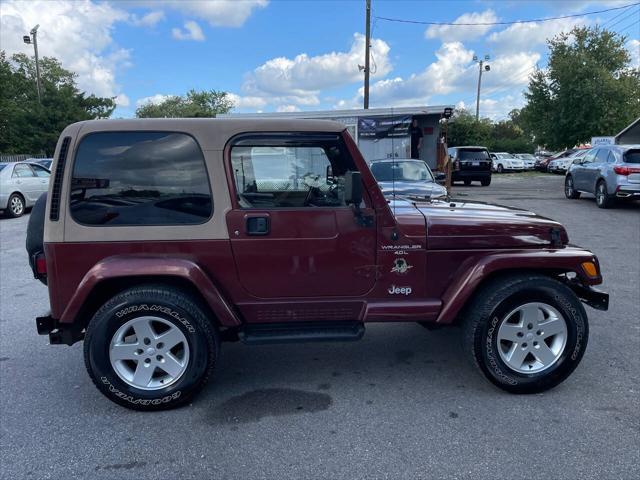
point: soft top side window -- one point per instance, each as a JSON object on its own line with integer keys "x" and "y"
{"x": 290, "y": 171}
{"x": 140, "y": 178}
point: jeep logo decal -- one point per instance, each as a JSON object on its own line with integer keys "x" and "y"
{"x": 393, "y": 290}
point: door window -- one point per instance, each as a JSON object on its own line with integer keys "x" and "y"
{"x": 41, "y": 171}
{"x": 269, "y": 175}
{"x": 602, "y": 155}
{"x": 22, "y": 171}
{"x": 589, "y": 156}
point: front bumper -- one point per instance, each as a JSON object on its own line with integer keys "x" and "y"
{"x": 59, "y": 333}
{"x": 591, "y": 296}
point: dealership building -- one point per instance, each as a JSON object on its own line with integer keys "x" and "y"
{"x": 379, "y": 132}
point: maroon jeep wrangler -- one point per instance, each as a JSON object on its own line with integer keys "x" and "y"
{"x": 164, "y": 237}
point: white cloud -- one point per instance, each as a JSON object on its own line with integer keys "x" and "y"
{"x": 153, "y": 99}
{"x": 122, "y": 100}
{"x": 78, "y": 33}
{"x": 530, "y": 36}
{"x": 634, "y": 52}
{"x": 247, "y": 102}
{"x": 304, "y": 76}
{"x": 451, "y": 33}
{"x": 148, "y": 20}
{"x": 287, "y": 108}
{"x": 219, "y": 13}
{"x": 192, "y": 31}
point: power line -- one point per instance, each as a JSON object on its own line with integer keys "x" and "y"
{"x": 616, "y": 16}
{"x": 619, "y": 32}
{"x": 536, "y": 20}
{"x": 610, "y": 27}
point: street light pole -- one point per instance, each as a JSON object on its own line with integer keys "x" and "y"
{"x": 487, "y": 68}
{"x": 28, "y": 40}
{"x": 366, "y": 53}
{"x": 34, "y": 33}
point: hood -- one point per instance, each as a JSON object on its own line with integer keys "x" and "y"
{"x": 417, "y": 189}
{"x": 470, "y": 225}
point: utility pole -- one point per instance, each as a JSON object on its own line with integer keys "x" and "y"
{"x": 487, "y": 68}
{"x": 366, "y": 53}
{"x": 28, "y": 39}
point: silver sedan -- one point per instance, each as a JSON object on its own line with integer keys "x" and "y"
{"x": 21, "y": 183}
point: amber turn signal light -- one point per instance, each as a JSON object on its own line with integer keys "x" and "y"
{"x": 590, "y": 269}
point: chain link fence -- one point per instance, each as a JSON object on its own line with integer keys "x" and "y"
{"x": 19, "y": 157}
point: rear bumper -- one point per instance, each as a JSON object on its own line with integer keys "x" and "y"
{"x": 628, "y": 191}
{"x": 591, "y": 296}
{"x": 59, "y": 333}
{"x": 470, "y": 174}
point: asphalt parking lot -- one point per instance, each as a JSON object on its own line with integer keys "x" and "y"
{"x": 401, "y": 403}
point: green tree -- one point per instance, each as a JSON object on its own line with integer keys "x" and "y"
{"x": 588, "y": 89}
{"x": 464, "y": 129}
{"x": 206, "y": 103}
{"x": 26, "y": 126}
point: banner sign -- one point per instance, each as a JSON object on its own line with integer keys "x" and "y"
{"x": 384, "y": 127}
{"x": 597, "y": 141}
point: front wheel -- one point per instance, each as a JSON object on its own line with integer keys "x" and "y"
{"x": 150, "y": 348}
{"x": 500, "y": 169}
{"x": 467, "y": 182}
{"x": 526, "y": 333}
{"x": 569, "y": 190}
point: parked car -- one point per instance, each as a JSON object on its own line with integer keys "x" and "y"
{"x": 21, "y": 183}
{"x": 561, "y": 165}
{"x": 503, "y": 162}
{"x": 406, "y": 177}
{"x": 470, "y": 163}
{"x": 528, "y": 159}
{"x": 543, "y": 163}
{"x": 165, "y": 237}
{"x": 610, "y": 172}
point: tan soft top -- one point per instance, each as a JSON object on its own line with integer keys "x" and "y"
{"x": 211, "y": 133}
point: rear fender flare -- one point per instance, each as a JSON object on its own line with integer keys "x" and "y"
{"x": 473, "y": 272}
{"x": 126, "y": 266}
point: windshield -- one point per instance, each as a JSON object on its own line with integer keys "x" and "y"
{"x": 473, "y": 155}
{"x": 526, "y": 156}
{"x": 504, "y": 155}
{"x": 401, "y": 171}
{"x": 2, "y": 165}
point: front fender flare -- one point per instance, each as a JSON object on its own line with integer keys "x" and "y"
{"x": 472, "y": 272}
{"x": 126, "y": 266}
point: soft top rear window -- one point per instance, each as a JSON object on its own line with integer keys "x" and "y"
{"x": 140, "y": 178}
{"x": 632, "y": 156}
{"x": 473, "y": 154}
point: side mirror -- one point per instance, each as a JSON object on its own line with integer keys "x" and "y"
{"x": 440, "y": 177}
{"x": 353, "y": 188}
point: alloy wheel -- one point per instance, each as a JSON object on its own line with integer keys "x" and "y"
{"x": 532, "y": 338}
{"x": 17, "y": 206}
{"x": 600, "y": 194}
{"x": 149, "y": 353}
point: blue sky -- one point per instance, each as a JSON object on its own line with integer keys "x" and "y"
{"x": 302, "y": 55}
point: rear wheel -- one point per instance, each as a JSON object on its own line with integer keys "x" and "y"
{"x": 15, "y": 205}
{"x": 526, "y": 333}
{"x": 485, "y": 182}
{"x": 569, "y": 190}
{"x": 467, "y": 182}
{"x": 150, "y": 348}
{"x": 603, "y": 199}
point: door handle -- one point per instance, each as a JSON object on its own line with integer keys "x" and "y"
{"x": 258, "y": 225}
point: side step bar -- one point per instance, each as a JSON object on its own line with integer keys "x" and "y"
{"x": 301, "y": 332}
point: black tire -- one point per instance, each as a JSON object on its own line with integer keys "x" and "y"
{"x": 487, "y": 311}
{"x": 485, "y": 182}
{"x": 35, "y": 227}
{"x": 467, "y": 182}
{"x": 603, "y": 199}
{"x": 569, "y": 191}
{"x": 500, "y": 168}
{"x": 15, "y": 206}
{"x": 168, "y": 304}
